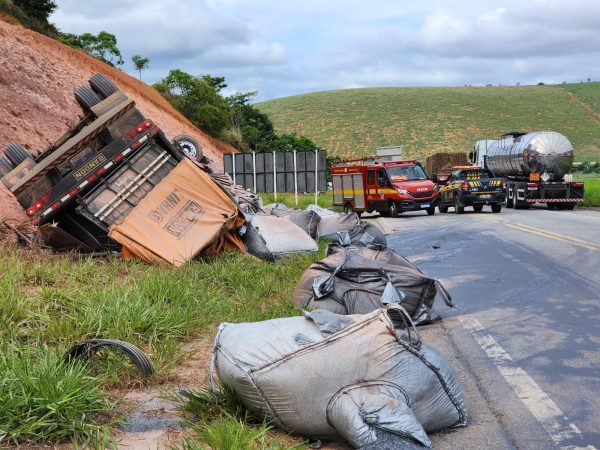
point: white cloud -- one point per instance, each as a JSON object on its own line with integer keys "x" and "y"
{"x": 283, "y": 48}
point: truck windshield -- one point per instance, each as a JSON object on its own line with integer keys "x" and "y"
{"x": 406, "y": 173}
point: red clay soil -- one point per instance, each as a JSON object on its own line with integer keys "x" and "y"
{"x": 37, "y": 78}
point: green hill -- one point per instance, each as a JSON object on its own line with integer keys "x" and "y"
{"x": 354, "y": 122}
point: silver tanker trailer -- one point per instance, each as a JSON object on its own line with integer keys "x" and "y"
{"x": 536, "y": 167}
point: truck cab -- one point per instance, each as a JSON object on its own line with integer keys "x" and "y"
{"x": 388, "y": 187}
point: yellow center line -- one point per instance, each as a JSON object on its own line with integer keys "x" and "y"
{"x": 543, "y": 233}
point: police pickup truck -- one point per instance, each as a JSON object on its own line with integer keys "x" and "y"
{"x": 470, "y": 186}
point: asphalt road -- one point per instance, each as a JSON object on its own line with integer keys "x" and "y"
{"x": 526, "y": 330}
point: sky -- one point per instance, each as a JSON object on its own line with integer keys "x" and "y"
{"x": 281, "y": 48}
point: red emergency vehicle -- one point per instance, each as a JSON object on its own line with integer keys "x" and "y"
{"x": 388, "y": 187}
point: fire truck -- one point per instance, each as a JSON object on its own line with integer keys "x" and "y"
{"x": 388, "y": 187}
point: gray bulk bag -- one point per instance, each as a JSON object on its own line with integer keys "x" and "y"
{"x": 307, "y": 220}
{"x": 268, "y": 237}
{"x": 329, "y": 227}
{"x": 350, "y": 282}
{"x": 327, "y": 376}
{"x": 373, "y": 252}
{"x": 364, "y": 234}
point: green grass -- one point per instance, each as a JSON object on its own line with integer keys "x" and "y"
{"x": 324, "y": 200}
{"x": 48, "y": 302}
{"x": 592, "y": 191}
{"x": 43, "y": 399}
{"x": 354, "y": 122}
{"x": 220, "y": 420}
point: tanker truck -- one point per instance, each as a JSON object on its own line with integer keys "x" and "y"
{"x": 536, "y": 167}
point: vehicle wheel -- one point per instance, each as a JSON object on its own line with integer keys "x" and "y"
{"x": 566, "y": 206}
{"x": 102, "y": 85}
{"x": 551, "y": 205}
{"x": 457, "y": 208}
{"x": 5, "y": 166}
{"x": 16, "y": 154}
{"x": 86, "y": 98}
{"x": 443, "y": 208}
{"x": 431, "y": 211}
{"x": 496, "y": 207}
{"x": 189, "y": 146}
{"x": 509, "y": 202}
{"x": 348, "y": 208}
{"x": 477, "y": 208}
{"x": 393, "y": 210}
{"x": 515, "y": 202}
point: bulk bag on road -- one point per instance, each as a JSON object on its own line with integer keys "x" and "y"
{"x": 185, "y": 214}
{"x": 268, "y": 237}
{"x": 353, "y": 281}
{"x": 328, "y": 376}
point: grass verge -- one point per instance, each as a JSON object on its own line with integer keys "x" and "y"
{"x": 43, "y": 399}
{"x": 324, "y": 200}
{"x": 592, "y": 192}
{"x": 220, "y": 420}
{"x": 48, "y": 302}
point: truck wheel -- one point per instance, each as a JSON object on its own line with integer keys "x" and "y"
{"x": 102, "y": 85}
{"x": 16, "y": 154}
{"x": 393, "y": 209}
{"x": 431, "y": 211}
{"x": 551, "y": 205}
{"x": 570, "y": 206}
{"x": 86, "y": 98}
{"x": 515, "y": 201}
{"x": 496, "y": 207}
{"x": 5, "y": 166}
{"x": 457, "y": 208}
{"x": 509, "y": 202}
{"x": 189, "y": 146}
{"x": 479, "y": 208}
{"x": 443, "y": 208}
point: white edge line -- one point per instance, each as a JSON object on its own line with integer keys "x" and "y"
{"x": 541, "y": 406}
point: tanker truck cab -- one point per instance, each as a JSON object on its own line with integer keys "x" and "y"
{"x": 390, "y": 187}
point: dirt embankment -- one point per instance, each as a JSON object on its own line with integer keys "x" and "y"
{"x": 37, "y": 78}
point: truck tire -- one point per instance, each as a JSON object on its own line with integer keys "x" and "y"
{"x": 442, "y": 208}
{"x": 393, "y": 209}
{"x": 16, "y": 154}
{"x": 458, "y": 209}
{"x": 496, "y": 207}
{"x": 509, "y": 201}
{"x": 102, "y": 85}
{"x": 478, "y": 208}
{"x": 5, "y": 166}
{"x": 515, "y": 201}
{"x": 551, "y": 205}
{"x": 189, "y": 146}
{"x": 86, "y": 98}
{"x": 430, "y": 211}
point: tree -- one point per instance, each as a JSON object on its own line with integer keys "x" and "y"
{"x": 196, "y": 99}
{"x": 104, "y": 47}
{"x": 39, "y": 10}
{"x": 140, "y": 63}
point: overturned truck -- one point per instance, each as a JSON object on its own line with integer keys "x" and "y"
{"x": 87, "y": 184}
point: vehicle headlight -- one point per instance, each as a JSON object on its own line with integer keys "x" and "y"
{"x": 402, "y": 191}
